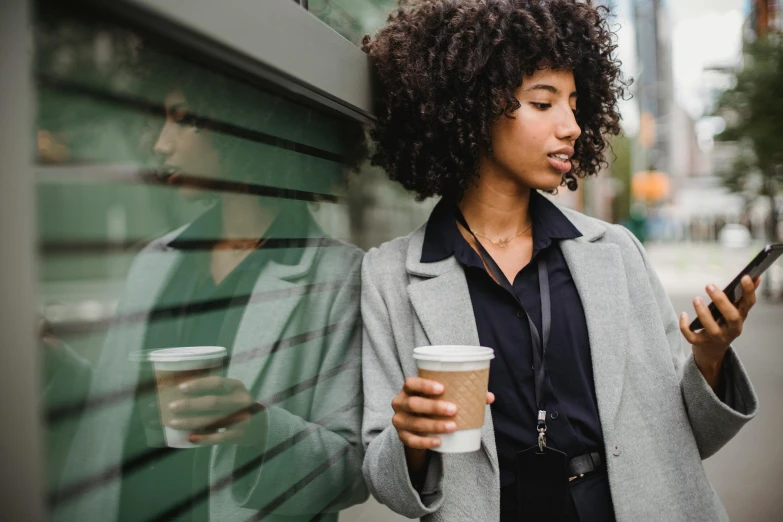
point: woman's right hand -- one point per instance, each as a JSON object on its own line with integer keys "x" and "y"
{"x": 419, "y": 416}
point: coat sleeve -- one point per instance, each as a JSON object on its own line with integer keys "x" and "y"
{"x": 714, "y": 420}
{"x": 385, "y": 469}
{"x": 310, "y": 466}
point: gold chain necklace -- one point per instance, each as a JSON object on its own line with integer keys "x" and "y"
{"x": 503, "y": 243}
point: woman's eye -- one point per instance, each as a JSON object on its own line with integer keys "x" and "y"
{"x": 541, "y": 106}
{"x": 185, "y": 118}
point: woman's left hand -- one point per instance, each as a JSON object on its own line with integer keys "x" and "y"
{"x": 710, "y": 343}
{"x": 218, "y": 411}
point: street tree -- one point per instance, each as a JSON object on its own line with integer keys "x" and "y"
{"x": 753, "y": 112}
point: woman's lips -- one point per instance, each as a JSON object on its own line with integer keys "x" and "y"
{"x": 169, "y": 174}
{"x": 562, "y": 165}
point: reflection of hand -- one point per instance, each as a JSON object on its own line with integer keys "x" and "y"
{"x": 218, "y": 410}
{"x": 710, "y": 343}
{"x": 50, "y": 148}
{"x": 46, "y": 335}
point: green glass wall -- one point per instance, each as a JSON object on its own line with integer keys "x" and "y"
{"x": 179, "y": 206}
{"x": 353, "y": 18}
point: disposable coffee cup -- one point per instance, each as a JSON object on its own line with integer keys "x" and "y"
{"x": 174, "y": 366}
{"x": 464, "y": 373}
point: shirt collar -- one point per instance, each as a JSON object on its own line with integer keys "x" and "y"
{"x": 442, "y": 237}
{"x": 291, "y": 223}
{"x": 205, "y": 228}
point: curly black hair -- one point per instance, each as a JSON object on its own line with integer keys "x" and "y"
{"x": 449, "y": 69}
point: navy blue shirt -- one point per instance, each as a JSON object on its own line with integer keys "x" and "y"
{"x": 572, "y": 411}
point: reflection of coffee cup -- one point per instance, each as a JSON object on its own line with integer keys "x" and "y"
{"x": 174, "y": 366}
{"x": 464, "y": 373}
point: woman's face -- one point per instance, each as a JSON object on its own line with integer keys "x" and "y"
{"x": 535, "y": 146}
{"x": 183, "y": 148}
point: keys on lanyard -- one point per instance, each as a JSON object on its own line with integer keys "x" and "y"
{"x": 542, "y": 482}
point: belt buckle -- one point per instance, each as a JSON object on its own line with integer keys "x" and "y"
{"x": 575, "y": 477}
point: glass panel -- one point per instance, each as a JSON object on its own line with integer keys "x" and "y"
{"x": 177, "y": 208}
{"x": 353, "y": 18}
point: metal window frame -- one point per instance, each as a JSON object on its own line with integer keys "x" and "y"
{"x": 275, "y": 43}
{"x": 21, "y": 443}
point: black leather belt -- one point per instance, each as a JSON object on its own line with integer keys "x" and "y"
{"x": 582, "y": 464}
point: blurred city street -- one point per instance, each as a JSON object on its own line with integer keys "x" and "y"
{"x": 745, "y": 473}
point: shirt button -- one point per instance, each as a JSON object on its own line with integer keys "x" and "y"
{"x": 520, "y": 314}
{"x": 553, "y": 415}
{"x": 616, "y": 450}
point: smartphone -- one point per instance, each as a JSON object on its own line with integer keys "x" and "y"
{"x": 755, "y": 268}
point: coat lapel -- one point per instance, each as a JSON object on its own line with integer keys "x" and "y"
{"x": 444, "y": 308}
{"x": 600, "y": 280}
{"x": 263, "y": 323}
{"x": 442, "y": 303}
{"x": 276, "y": 294}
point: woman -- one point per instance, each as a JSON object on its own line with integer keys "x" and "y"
{"x": 486, "y": 103}
{"x": 278, "y": 431}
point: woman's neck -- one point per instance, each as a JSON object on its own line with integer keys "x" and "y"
{"x": 498, "y": 209}
{"x": 245, "y": 217}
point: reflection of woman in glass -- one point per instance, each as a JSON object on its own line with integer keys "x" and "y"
{"x": 486, "y": 103}
{"x": 278, "y": 430}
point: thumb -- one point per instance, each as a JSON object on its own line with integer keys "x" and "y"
{"x": 230, "y": 385}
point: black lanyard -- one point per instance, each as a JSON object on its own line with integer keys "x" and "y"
{"x": 539, "y": 341}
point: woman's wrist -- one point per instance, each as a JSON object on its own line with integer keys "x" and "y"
{"x": 710, "y": 365}
{"x": 417, "y": 460}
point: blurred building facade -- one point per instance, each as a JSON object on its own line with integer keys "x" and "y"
{"x": 655, "y": 88}
{"x": 657, "y": 136}
{"x": 702, "y": 203}
{"x": 765, "y": 16}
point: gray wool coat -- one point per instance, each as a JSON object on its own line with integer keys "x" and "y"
{"x": 658, "y": 414}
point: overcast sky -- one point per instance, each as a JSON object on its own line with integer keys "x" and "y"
{"x": 704, "y": 33}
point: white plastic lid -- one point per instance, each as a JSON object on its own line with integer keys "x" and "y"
{"x": 187, "y": 353}
{"x": 453, "y": 353}
{"x": 142, "y": 356}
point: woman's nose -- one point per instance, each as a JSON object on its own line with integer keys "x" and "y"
{"x": 164, "y": 145}
{"x": 569, "y": 128}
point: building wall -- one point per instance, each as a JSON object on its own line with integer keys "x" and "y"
{"x": 143, "y": 133}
